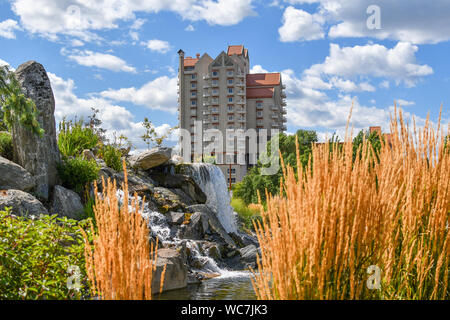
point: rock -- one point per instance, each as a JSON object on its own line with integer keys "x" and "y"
{"x": 151, "y": 158}
{"x": 194, "y": 230}
{"x": 22, "y": 203}
{"x": 176, "y": 159}
{"x": 67, "y": 203}
{"x": 170, "y": 199}
{"x": 176, "y": 218}
{"x": 180, "y": 181}
{"x": 213, "y": 222}
{"x": 13, "y": 176}
{"x": 38, "y": 155}
{"x": 176, "y": 271}
{"x": 88, "y": 155}
{"x": 249, "y": 255}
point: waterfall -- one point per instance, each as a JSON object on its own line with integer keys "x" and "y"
{"x": 211, "y": 180}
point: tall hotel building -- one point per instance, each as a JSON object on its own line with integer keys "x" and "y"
{"x": 221, "y": 94}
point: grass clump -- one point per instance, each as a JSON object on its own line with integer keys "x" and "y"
{"x": 248, "y": 214}
{"x": 112, "y": 157}
{"x": 120, "y": 262}
{"x": 337, "y": 219}
{"x": 38, "y": 255}
{"x": 6, "y": 145}
{"x": 74, "y": 137}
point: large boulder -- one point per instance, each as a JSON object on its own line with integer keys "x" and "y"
{"x": 176, "y": 270}
{"x": 13, "y": 176}
{"x": 67, "y": 203}
{"x": 38, "y": 155}
{"x": 22, "y": 203}
{"x": 180, "y": 181}
{"x": 151, "y": 158}
{"x": 249, "y": 255}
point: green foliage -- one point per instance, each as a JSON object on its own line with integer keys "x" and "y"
{"x": 375, "y": 142}
{"x": 245, "y": 214}
{"x": 76, "y": 173}
{"x": 14, "y": 106}
{"x": 252, "y": 183}
{"x": 112, "y": 156}
{"x": 6, "y": 145}
{"x": 74, "y": 137}
{"x": 35, "y": 256}
{"x": 151, "y": 136}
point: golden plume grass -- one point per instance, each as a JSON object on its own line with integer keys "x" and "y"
{"x": 120, "y": 262}
{"x": 336, "y": 218}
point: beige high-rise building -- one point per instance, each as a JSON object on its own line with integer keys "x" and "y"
{"x": 221, "y": 94}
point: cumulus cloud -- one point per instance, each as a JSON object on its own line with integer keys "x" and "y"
{"x": 157, "y": 45}
{"x": 81, "y": 18}
{"x": 374, "y": 60}
{"x": 401, "y": 20}
{"x": 299, "y": 25}
{"x": 190, "y": 28}
{"x": 100, "y": 60}
{"x": 8, "y": 27}
{"x": 158, "y": 94}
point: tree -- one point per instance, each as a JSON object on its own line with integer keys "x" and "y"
{"x": 252, "y": 183}
{"x": 151, "y": 136}
{"x": 375, "y": 141}
{"x": 14, "y": 106}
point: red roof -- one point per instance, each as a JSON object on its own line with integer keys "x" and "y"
{"x": 259, "y": 93}
{"x": 190, "y": 62}
{"x": 263, "y": 79}
{"x": 239, "y": 50}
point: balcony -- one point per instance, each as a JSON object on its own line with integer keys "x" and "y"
{"x": 242, "y": 120}
{"x": 241, "y": 102}
{"x": 206, "y": 86}
{"x": 206, "y": 112}
{"x": 242, "y": 110}
{"x": 283, "y": 87}
{"x": 275, "y": 125}
{"x": 206, "y": 103}
{"x": 284, "y": 119}
{"x": 284, "y": 128}
{"x": 215, "y": 85}
{"x": 207, "y": 77}
{"x": 274, "y": 116}
{"x": 283, "y": 103}
{"x": 240, "y": 75}
{"x": 274, "y": 108}
{"x": 284, "y": 111}
{"x": 283, "y": 95}
{"x": 240, "y": 84}
{"x": 206, "y": 95}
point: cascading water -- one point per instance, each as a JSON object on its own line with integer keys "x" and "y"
{"x": 211, "y": 180}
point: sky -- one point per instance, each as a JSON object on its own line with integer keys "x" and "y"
{"x": 120, "y": 56}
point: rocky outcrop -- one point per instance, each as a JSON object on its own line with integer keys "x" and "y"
{"x": 13, "y": 176}
{"x": 67, "y": 203}
{"x": 175, "y": 218}
{"x": 38, "y": 155}
{"x": 22, "y": 203}
{"x": 176, "y": 270}
{"x": 179, "y": 181}
{"x": 249, "y": 255}
{"x": 151, "y": 158}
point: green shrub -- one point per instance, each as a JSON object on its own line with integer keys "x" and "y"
{"x": 74, "y": 138}
{"x": 6, "y": 146}
{"x": 35, "y": 256}
{"x": 246, "y": 215}
{"x": 76, "y": 173}
{"x": 112, "y": 157}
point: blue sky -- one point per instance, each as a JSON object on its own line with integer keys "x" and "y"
{"x": 120, "y": 56}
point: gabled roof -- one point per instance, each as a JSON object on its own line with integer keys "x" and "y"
{"x": 263, "y": 79}
{"x": 239, "y": 50}
{"x": 190, "y": 62}
{"x": 259, "y": 93}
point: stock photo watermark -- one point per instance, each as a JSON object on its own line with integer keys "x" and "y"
{"x": 374, "y": 20}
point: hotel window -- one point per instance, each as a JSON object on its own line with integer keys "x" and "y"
{"x": 215, "y": 82}
{"x": 194, "y": 94}
{"x": 215, "y": 73}
{"x": 230, "y": 99}
{"x": 259, "y": 105}
{"x": 193, "y": 85}
{"x": 230, "y": 127}
{"x": 194, "y": 76}
{"x": 259, "y": 114}
{"x": 216, "y": 127}
{"x": 233, "y": 180}
{"x": 230, "y": 81}
{"x": 233, "y": 170}
{"x": 230, "y": 118}
{"x": 193, "y": 102}
{"x": 230, "y": 90}
{"x": 215, "y": 91}
{"x": 230, "y": 73}
{"x": 230, "y": 108}
{"x": 215, "y": 118}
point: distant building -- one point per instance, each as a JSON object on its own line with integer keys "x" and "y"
{"x": 223, "y": 95}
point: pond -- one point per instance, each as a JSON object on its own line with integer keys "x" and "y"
{"x": 231, "y": 285}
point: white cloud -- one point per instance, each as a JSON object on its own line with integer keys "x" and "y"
{"x": 81, "y": 18}
{"x": 374, "y": 60}
{"x": 190, "y": 28}
{"x": 401, "y": 20}
{"x": 404, "y": 103}
{"x": 299, "y": 25}
{"x": 4, "y": 63}
{"x": 157, "y": 45}
{"x": 100, "y": 60}
{"x": 7, "y": 29}
{"x": 158, "y": 94}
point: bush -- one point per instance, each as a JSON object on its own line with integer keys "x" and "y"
{"x": 112, "y": 156}
{"x": 245, "y": 213}
{"x": 35, "y": 256}
{"x": 74, "y": 138}
{"x": 76, "y": 173}
{"x": 6, "y": 146}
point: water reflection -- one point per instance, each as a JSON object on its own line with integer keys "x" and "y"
{"x": 229, "y": 286}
